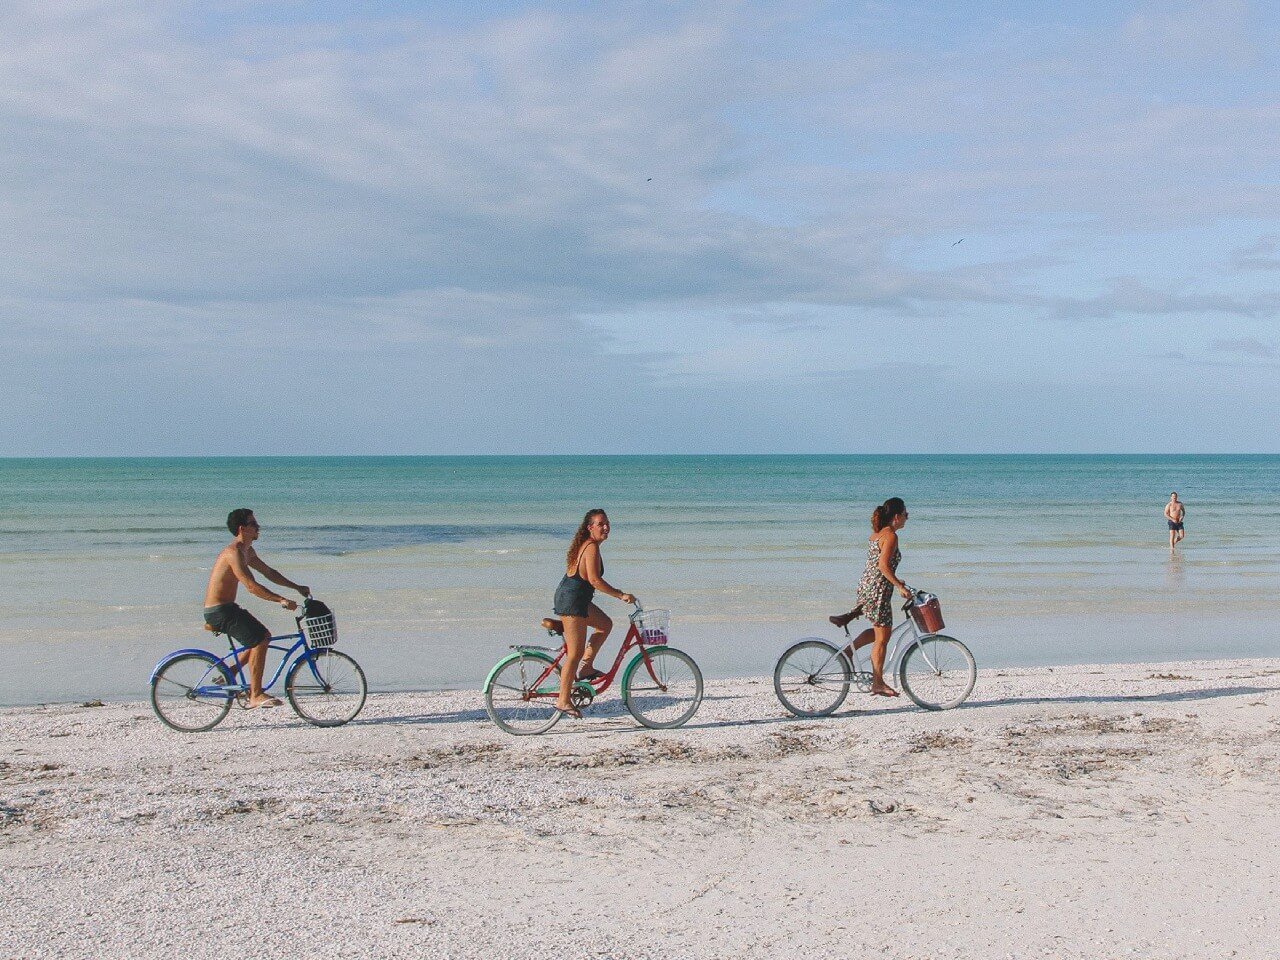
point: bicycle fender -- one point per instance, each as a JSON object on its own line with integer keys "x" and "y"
{"x": 891, "y": 667}
{"x": 892, "y": 663}
{"x": 536, "y": 654}
{"x": 637, "y": 661}
{"x": 169, "y": 658}
{"x": 828, "y": 642}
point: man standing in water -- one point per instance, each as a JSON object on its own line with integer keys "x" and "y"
{"x": 221, "y": 612}
{"x": 1174, "y": 511}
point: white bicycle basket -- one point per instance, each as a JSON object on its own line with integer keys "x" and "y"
{"x": 322, "y": 631}
{"x": 653, "y": 626}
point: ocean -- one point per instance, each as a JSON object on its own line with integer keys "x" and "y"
{"x": 434, "y": 565}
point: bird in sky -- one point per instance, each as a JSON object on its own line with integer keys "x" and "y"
{"x": 958, "y": 242}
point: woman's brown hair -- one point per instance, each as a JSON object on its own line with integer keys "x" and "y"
{"x": 580, "y": 537}
{"x": 883, "y": 515}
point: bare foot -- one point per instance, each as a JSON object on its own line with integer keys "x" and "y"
{"x": 883, "y": 690}
{"x": 263, "y": 700}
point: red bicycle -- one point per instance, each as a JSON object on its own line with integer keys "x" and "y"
{"x": 661, "y": 686}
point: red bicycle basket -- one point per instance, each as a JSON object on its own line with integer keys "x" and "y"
{"x": 928, "y": 614}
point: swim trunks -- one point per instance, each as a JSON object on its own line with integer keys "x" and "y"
{"x": 237, "y": 623}
{"x": 1175, "y": 524}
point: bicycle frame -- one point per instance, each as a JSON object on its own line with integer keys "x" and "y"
{"x": 633, "y": 639}
{"x": 894, "y": 653}
{"x": 299, "y": 641}
{"x": 231, "y": 660}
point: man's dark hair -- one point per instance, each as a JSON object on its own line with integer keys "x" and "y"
{"x": 237, "y": 519}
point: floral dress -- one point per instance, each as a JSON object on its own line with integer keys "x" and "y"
{"x": 875, "y": 593}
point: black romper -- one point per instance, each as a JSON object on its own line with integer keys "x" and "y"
{"x": 574, "y": 594}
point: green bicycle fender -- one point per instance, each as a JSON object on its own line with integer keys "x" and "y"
{"x": 636, "y": 661}
{"x": 536, "y": 654}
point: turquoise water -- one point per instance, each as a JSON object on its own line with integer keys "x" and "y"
{"x": 435, "y": 565}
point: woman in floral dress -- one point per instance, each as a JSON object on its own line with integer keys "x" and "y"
{"x": 875, "y": 589}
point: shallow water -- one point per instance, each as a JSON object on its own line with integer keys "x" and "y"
{"x": 434, "y": 565}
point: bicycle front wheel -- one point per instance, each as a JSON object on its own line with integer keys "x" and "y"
{"x": 937, "y": 672}
{"x": 514, "y": 699}
{"x": 185, "y": 694}
{"x": 666, "y": 692}
{"x": 812, "y": 678}
{"x": 326, "y": 687}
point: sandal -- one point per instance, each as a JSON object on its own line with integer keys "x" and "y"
{"x": 591, "y": 676}
{"x": 569, "y": 711}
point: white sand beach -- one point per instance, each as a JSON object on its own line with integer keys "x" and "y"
{"x": 1073, "y": 812}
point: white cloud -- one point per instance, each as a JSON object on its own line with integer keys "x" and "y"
{"x": 1130, "y": 296}
{"x": 1246, "y": 346}
{"x": 1263, "y": 254}
{"x": 456, "y": 201}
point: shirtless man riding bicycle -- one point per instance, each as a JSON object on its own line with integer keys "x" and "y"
{"x": 233, "y": 567}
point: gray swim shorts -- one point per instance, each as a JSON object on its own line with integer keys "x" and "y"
{"x": 237, "y": 623}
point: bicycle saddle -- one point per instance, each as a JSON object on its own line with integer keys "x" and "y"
{"x": 211, "y": 630}
{"x": 553, "y": 626}
{"x": 844, "y": 619}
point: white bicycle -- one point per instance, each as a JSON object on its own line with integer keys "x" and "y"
{"x": 937, "y": 672}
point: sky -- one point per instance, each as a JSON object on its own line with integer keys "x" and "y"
{"x": 402, "y": 227}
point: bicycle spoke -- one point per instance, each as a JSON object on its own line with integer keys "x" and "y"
{"x": 811, "y": 679}
{"x": 673, "y": 698}
{"x": 938, "y": 673}
{"x": 336, "y": 698}
{"x": 183, "y": 693}
{"x": 512, "y": 701}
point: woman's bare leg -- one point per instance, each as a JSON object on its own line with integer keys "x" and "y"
{"x": 575, "y": 636}
{"x": 865, "y": 637}
{"x": 598, "y": 621}
{"x": 878, "y": 652}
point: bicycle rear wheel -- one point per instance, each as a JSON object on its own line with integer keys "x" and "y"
{"x": 513, "y": 702}
{"x": 667, "y": 695}
{"x": 184, "y": 693}
{"x": 937, "y": 672}
{"x": 331, "y": 695}
{"x": 812, "y": 678}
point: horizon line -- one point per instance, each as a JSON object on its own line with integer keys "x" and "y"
{"x": 549, "y": 456}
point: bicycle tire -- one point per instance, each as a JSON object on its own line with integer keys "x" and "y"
{"x": 670, "y": 695}
{"x": 507, "y": 695}
{"x": 946, "y": 683}
{"x": 336, "y": 697}
{"x": 189, "y": 672}
{"x": 801, "y": 689}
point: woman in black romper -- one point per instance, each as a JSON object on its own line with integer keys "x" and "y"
{"x": 584, "y": 575}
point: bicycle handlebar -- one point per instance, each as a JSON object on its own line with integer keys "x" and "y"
{"x": 910, "y": 601}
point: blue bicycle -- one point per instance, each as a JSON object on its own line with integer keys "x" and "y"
{"x": 192, "y": 690}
